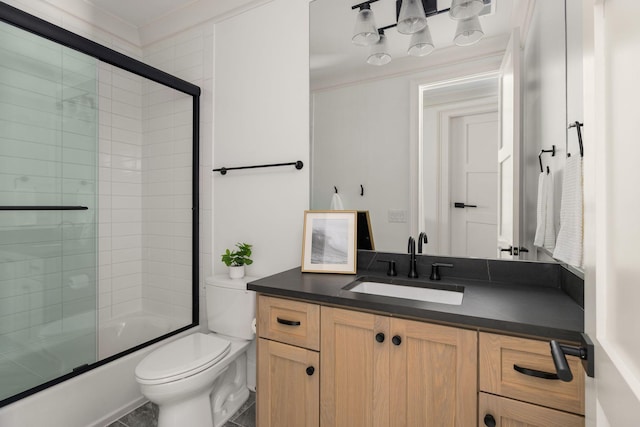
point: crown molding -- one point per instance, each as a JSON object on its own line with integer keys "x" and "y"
{"x": 195, "y": 13}
{"x": 99, "y": 18}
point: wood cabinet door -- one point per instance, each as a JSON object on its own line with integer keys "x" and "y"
{"x": 513, "y": 413}
{"x": 355, "y": 369}
{"x": 288, "y": 392}
{"x": 433, "y": 375}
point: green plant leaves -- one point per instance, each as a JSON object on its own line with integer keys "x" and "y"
{"x": 238, "y": 257}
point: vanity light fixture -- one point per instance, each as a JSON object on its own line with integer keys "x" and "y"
{"x": 421, "y": 43}
{"x": 379, "y": 54}
{"x": 468, "y": 32}
{"x": 465, "y": 9}
{"x": 365, "y": 32}
{"x": 411, "y": 19}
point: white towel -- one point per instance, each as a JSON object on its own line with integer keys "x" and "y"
{"x": 336, "y": 203}
{"x": 569, "y": 245}
{"x": 545, "y": 229}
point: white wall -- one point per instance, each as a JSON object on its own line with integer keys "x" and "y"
{"x": 361, "y": 137}
{"x": 544, "y": 111}
{"x": 261, "y": 115}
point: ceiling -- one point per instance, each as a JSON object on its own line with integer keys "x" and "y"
{"x": 334, "y": 59}
{"x": 139, "y": 13}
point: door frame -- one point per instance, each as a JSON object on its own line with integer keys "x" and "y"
{"x": 416, "y": 116}
{"x": 445, "y": 113}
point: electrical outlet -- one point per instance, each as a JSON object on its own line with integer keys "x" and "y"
{"x": 397, "y": 215}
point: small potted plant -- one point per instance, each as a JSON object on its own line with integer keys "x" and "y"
{"x": 236, "y": 260}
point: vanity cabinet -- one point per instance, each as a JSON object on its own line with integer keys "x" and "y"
{"x": 383, "y": 371}
{"x": 518, "y": 385}
{"x": 288, "y": 363}
{"x": 334, "y": 367}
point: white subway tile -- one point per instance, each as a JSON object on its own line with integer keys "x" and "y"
{"x": 125, "y": 268}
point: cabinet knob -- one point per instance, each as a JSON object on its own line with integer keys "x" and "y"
{"x": 380, "y": 337}
{"x": 489, "y": 421}
{"x": 310, "y": 370}
{"x": 396, "y": 340}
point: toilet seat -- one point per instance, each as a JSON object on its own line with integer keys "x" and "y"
{"x": 182, "y": 358}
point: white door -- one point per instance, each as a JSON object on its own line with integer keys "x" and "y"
{"x": 509, "y": 151}
{"x": 612, "y": 209}
{"x": 474, "y": 185}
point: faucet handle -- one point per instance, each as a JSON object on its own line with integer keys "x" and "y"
{"x": 422, "y": 238}
{"x": 435, "y": 272}
{"x": 392, "y": 267}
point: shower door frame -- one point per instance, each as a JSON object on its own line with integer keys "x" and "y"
{"x": 47, "y": 30}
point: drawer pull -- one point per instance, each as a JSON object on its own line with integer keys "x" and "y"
{"x": 288, "y": 322}
{"x": 535, "y": 373}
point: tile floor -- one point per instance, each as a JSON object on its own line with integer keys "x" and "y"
{"x": 147, "y": 416}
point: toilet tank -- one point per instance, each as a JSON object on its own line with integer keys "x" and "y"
{"x": 231, "y": 308}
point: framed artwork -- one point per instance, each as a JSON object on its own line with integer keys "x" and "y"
{"x": 329, "y": 242}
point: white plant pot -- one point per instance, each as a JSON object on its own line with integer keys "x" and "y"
{"x": 236, "y": 272}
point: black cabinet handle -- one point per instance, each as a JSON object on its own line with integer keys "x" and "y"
{"x": 396, "y": 340}
{"x": 380, "y": 337}
{"x": 288, "y": 322}
{"x": 560, "y": 361}
{"x": 310, "y": 370}
{"x": 489, "y": 421}
{"x": 535, "y": 373}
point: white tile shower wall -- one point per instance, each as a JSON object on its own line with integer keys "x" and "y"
{"x": 167, "y": 159}
{"x": 120, "y": 183}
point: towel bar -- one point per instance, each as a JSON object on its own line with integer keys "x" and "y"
{"x": 577, "y": 125}
{"x": 223, "y": 171}
{"x": 553, "y": 153}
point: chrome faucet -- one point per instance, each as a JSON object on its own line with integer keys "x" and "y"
{"x": 413, "y": 273}
{"x": 422, "y": 237}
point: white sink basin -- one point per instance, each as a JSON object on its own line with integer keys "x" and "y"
{"x": 409, "y": 292}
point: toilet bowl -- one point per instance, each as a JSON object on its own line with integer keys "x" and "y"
{"x": 200, "y": 380}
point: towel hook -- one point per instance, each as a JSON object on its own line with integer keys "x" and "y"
{"x": 361, "y": 190}
{"x": 577, "y": 125}
{"x": 553, "y": 153}
{"x": 335, "y": 189}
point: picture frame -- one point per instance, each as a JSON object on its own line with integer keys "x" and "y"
{"x": 365, "y": 233}
{"x": 329, "y": 242}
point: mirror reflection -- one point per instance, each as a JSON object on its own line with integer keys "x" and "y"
{"x": 411, "y": 140}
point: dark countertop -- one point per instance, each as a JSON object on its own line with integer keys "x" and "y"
{"x": 529, "y": 310}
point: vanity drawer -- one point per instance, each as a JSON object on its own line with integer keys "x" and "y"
{"x": 501, "y": 355}
{"x": 291, "y": 322}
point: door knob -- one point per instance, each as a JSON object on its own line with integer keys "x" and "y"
{"x": 509, "y": 249}
{"x": 463, "y": 205}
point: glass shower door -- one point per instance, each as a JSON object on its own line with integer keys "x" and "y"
{"x": 48, "y": 210}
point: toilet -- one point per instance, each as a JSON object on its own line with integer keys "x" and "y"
{"x": 201, "y": 380}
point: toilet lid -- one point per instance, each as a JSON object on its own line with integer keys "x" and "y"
{"x": 182, "y": 358}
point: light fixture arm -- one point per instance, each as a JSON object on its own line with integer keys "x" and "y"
{"x": 363, "y": 5}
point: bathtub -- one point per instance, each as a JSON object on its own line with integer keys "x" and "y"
{"x": 118, "y": 334}
{"x": 72, "y": 340}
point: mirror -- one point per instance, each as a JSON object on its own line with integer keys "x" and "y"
{"x": 366, "y": 144}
